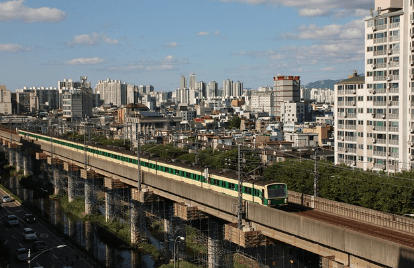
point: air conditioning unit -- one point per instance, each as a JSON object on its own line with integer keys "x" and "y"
{"x": 373, "y": 91}
{"x": 374, "y": 28}
{"x": 373, "y": 115}
{"x": 345, "y": 115}
{"x": 412, "y": 62}
{"x": 411, "y": 144}
{"x": 384, "y": 167}
{"x": 342, "y": 138}
{"x": 373, "y": 66}
{"x": 383, "y": 116}
{"x": 390, "y": 51}
{"x": 374, "y": 140}
{"x": 390, "y": 103}
{"x": 411, "y": 157}
{"x": 411, "y": 76}
{"x": 412, "y": 130}
{"x": 389, "y": 153}
{"x": 353, "y": 163}
{"x": 346, "y": 150}
{"x": 373, "y": 127}
{"x": 389, "y": 77}
{"x": 412, "y": 21}
{"x": 353, "y": 92}
{"x": 353, "y": 103}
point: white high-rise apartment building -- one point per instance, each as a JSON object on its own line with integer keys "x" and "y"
{"x": 237, "y": 89}
{"x": 183, "y": 82}
{"x": 227, "y": 88}
{"x": 112, "y": 91}
{"x": 192, "y": 81}
{"x": 375, "y": 123}
{"x": 212, "y": 90}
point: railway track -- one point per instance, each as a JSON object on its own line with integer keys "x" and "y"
{"x": 350, "y": 224}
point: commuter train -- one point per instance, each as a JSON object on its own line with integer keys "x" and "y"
{"x": 267, "y": 193}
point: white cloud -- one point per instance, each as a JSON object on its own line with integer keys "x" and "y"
{"x": 203, "y": 33}
{"x": 92, "y": 39}
{"x": 307, "y": 7}
{"x": 328, "y": 69}
{"x": 352, "y": 30}
{"x": 166, "y": 64}
{"x": 16, "y": 10}
{"x": 13, "y": 48}
{"x": 216, "y": 32}
{"x": 171, "y": 44}
{"x": 85, "y": 61}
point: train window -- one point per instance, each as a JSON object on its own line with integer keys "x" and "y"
{"x": 232, "y": 186}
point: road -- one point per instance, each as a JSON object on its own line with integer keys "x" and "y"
{"x": 69, "y": 256}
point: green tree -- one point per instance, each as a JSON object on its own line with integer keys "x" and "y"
{"x": 234, "y": 122}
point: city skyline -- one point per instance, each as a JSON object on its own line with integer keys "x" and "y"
{"x": 47, "y": 41}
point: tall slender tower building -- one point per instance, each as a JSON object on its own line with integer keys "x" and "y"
{"x": 183, "y": 82}
{"x": 192, "y": 81}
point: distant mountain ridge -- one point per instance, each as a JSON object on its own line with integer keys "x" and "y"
{"x": 322, "y": 84}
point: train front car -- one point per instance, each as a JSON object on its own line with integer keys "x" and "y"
{"x": 276, "y": 194}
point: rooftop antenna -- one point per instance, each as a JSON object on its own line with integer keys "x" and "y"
{"x": 371, "y": 11}
{"x": 379, "y": 11}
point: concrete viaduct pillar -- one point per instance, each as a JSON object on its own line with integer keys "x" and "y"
{"x": 19, "y": 159}
{"x": 109, "y": 204}
{"x": 73, "y": 174}
{"x": 58, "y": 176}
{"x": 43, "y": 160}
{"x": 89, "y": 177}
{"x": 214, "y": 243}
{"x": 137, "y": 216}
{"x": 12, "y": 157}
{"x": 27, "y": 164}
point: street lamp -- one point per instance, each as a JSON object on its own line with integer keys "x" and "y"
{"x": 44, "y": 251}
{"x": 181, "y": 238}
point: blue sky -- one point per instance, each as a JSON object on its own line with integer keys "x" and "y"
{"x": 156, "y": 41}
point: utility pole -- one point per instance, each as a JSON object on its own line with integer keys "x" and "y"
{"x": 316, "y": 175}
{"x": 240, "y": 193}
{"x": 139, "y": 165}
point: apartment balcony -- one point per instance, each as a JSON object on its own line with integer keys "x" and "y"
{"x": 393, "y": 129}
{"x": 350, "y": 127}
{"x": 380, "y": 153}
{"x": 380, "y": 90}
{"x": 350, "y": 103}
{"x": 393, "y": 116}
{"x": 379, "y": 166}
{"x": 394, "y": 51}
{"x": 394, "y": 64}
{"x": 349, "y": 162}
{"x": 341, "y": 92}
{"x": 394, "y": 90}
{"x": 393, "y": 142}
{"x": 381, "y": 27}
{"x": 380, "y": 78}
{"x": 379, "y": 128}
{"x": 380, "y": 52}
{"x": 340, "y": 103}
{"x": 394, "y": 38}
{"x": 350, "y": 91}
{"x": 341, "y": 161}
{"x": 393, "y": 167}
{"x": 380, "y": 40}
{"x": 340, "y": 126}
{"x": 395, "y": 25}
{"x": 394, "y": 155}
{"x": 350, "y": 138}
{"x": 341, "y": 149}
{"x": 351, "y": 150}
{"x": 351, "y": 115}
{"x": 380, "y": 103}
{"x": 395, "y": 103}
{"x": 381, "y": 141}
